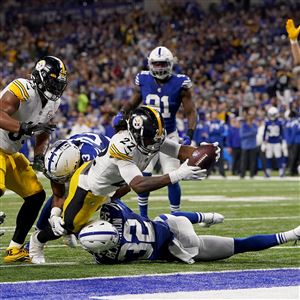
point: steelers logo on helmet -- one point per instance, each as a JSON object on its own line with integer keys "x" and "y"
{"x": 137, "y": 122}
{"x": 40, "y": 65}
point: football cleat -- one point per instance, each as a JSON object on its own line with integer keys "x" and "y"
{"x": 70, "y": 240}
{"x": 297, "y": 232}
{"x": 36, "y": 249}
{"x": 15, "y": 254}
{"x": 211, "y": 219}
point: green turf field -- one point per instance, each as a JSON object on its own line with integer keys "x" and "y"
{"x": 249, "y": 206}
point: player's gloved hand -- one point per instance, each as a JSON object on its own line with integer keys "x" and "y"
{"x": 2, "y": 217}
{"x": 185, "y": 172}
{"x": 57, "y": 222}
{"x": 38, "y": 163}
{"x": 31, "y": 129}
{"x": 263, "y": 147}
{"x": 218, "y": 149}
{"x": 119, "y": 121}
{"x": 186, "y": 140}
{"x": 292, "y": 31}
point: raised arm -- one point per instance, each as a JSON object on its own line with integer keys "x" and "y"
{"x": 293, "y": 33}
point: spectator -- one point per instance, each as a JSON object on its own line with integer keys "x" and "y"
{"x": 80, "y": 126}
{"x": 248, "y": 132}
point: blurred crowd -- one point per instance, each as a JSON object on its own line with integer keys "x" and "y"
{"x": 236, "y": 53}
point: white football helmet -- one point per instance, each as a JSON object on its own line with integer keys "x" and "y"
{"x": 160, "y": 62}
{"x": 98, "y": 236}
{"x": 61, "y": 161}
{"x": 273, "y": 113}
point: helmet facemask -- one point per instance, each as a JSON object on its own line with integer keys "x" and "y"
{"x": 160, "y": 69}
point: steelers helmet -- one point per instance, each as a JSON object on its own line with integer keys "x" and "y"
{"x": 146, "y": 126}
{"x": 50, "y": 77}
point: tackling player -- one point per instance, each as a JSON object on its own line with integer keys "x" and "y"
{"x": 118, "y": 171}
{"x": 26, "y": 108}
{"x": 61, "y": 161}
{"x": 165, "y": 91}
{"x": 125, "y": 236}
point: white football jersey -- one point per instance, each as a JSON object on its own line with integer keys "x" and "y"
{"x": 122, "y": 162}
{"x": 30, "y": 110}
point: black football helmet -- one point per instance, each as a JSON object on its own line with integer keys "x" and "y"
{"x": 146, "y": 126}
{"x": 50, "y": 77}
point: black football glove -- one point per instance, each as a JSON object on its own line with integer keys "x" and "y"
{"x": 2, "y": 217}
{"x": 38, "y": 163}
{"x": 27, "y": 128}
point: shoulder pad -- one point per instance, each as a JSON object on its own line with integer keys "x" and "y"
{"x": 121, "y": 146}
{"x": 20, "y": 88}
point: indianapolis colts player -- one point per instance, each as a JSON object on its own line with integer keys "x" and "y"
{"x": 272, "y": 140}
{"x": 112, "y": 175}
{"x": 165, "y": 91}
{"x": 126, "y": 236}
{"x": 61, "y": 161}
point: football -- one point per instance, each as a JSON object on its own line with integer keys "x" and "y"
{"x": 203, "y": 156}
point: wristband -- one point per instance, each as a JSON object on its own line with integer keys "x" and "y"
{"x": 174, "y": 178}
{"x": 293, "y": 42}
{"x": 55, "y": 211}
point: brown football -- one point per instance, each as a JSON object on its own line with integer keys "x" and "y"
{"x": 203, "y": 157}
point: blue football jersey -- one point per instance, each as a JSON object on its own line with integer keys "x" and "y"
{"x": 164, "y": 97}
{"x": 273, "y": 132}
{"x": 90, "y": 145}
{"x": 140, "y": 238}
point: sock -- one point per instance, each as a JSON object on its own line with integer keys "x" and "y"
{"x": 194, "y": 217}
{"x": 174, "y": 192}
{"x": 14, "y": 244}
{"x": 27, "y": 216}
{"x": 255, "y": 243}
{"x": 143, "y": 200}
{"x": 287, "y": 236}
{"x": 45, "y": 214}
{"x": 46, "y": 235}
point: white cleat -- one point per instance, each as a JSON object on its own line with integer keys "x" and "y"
{"x": 211, "y": 219}
{"x": 70, "y": 240}
{"x": 36, "y": 249}
{"x": 297, "y": 232}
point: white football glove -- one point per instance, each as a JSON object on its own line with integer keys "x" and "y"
{"x": 263, "y": 147}
{"x": 57, "y": 222}
{"x": 218, "y": 150}
{"x": 185, "y": 172}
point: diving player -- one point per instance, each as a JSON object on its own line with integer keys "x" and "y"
{"x": 61, "y": 161}
{"x": 165, "y": 91}
{"x": 126, "y": 236}
{"x": 111, "y": 176}
{"x": 272, "y": 141}
{"x": 26, "y": 108}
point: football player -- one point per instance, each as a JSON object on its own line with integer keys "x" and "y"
{"x": 272, "y": 141}
{"x": 125, "y": 236}
{"x": 119, "y": 170}
{"x": 165, "y": 91}
{"x": 26, "y": 108}
{"x": 62, "y": 159}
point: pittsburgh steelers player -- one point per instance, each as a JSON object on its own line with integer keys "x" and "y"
{"x": 112, "y": 175}
{"x": 26, "y": 108}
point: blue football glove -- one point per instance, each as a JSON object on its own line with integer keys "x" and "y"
{"x": 186, "y": 140}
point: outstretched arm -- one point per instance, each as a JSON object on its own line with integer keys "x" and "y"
{"x": 293, "y": 33}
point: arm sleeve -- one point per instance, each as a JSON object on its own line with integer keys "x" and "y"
{"x": 128, "y": 170}
{"x": 171, "y": 148}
